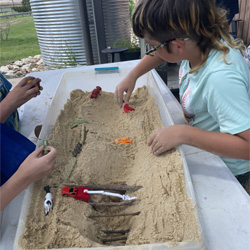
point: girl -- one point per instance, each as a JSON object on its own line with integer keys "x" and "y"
{"x": 213, "y": 78}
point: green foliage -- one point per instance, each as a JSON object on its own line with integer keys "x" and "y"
{"x": 20, "y": 9}
{"x": 26, "y": 4}
{"x": 131, "y": 7}
{"x": 22, "y": 40}
{"x": 24, "y": 8}
{"x": 66, "y": 58}
{"x": 4, "y": 30}
{"x": 71, "y": 56}
{"x": 122, "y": 43}
{"x": 132, "y": 45}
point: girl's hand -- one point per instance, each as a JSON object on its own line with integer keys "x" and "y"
{"x": 36, "y": 165}
{"x": 166, "y": 138}
{"x": 24, "y": 91}
{"x": 126, "y": 85}
{"x": 33, "y": 168}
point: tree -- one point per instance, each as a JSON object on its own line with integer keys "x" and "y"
{"x": 26, "y": 5}
{"x": 24, "y": 8}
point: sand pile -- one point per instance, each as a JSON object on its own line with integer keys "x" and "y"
{"x": 166, "y": 214}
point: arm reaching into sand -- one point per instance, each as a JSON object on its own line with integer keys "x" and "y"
{"x": 128, "y": 83}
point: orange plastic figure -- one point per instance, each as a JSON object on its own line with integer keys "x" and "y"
{"x": 123, "y": 140}
{"x": 117, "y": 141}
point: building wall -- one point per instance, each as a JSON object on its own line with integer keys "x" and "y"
{"x": 10, "y": 2}
{"x": 243, "y": 27}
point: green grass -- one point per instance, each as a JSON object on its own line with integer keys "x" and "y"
{"x": 22, "y": 41}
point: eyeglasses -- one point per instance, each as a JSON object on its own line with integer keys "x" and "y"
{"x": 153, "y": 50}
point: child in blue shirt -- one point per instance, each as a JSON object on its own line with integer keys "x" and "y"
{"x": 5, "y": 87}
{"x": 21, "y": 164}
{"x": 213, "y": 78}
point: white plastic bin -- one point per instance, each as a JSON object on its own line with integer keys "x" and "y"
{"x": 87, "y": 79}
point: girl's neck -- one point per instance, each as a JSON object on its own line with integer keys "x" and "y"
{"x": 194, "y": 55}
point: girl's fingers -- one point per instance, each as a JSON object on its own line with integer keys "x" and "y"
{"x": 52, "y": 153}
{"x": 31, "y": 82}
{"x": 158, "y": 149}
{"x": 38, "y": 152}
{"x": 151, "y": 139}
{"x": 25, "y": 80}
{"x": 33, "y": 92}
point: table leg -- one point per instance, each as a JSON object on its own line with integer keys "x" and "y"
{"x": 112, "y": 57}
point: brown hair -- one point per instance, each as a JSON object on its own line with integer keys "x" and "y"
{"x": 198, "y": 20}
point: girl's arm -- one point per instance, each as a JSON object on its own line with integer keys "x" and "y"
{"x": 128, "y": 83}
{"x": 34, "y": 167}
{"x": 223, "y": 144}
{"x": 22, "y": 93}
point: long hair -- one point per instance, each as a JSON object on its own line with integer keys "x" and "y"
{"x": 198, "y": 20}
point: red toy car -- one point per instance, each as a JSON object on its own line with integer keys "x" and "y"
{"x": 76, "y": 192}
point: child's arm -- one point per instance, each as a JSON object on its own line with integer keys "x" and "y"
{"x": 223, "y": 144}
{"x": 34, "y": 167}
{"x": 128, "y": 83}
{"x": 22, "y": 93}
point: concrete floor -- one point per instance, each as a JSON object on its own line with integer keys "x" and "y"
{"x": 14, "y": 81}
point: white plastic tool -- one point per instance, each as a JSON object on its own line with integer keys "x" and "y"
{"x": 124, "y": 197}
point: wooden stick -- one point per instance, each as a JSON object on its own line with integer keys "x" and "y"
{"x": 116, "y": 245}
{"x": 115, "y": 215}
{"x": 109, "y": 187}
{"x": 115, "y": 232}
{"x": 111, "y": 204}
{"x": 84, "y": 134}
{"x": 114, "y": 239}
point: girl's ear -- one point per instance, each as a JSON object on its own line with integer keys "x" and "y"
{"x": 180, "y": 45}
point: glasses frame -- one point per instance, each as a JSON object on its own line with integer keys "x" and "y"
{"x": 154, "y": 49}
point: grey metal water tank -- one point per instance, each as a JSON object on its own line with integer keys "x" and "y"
{"x": 59, "y": 31}
{"x": 115, "y": 21}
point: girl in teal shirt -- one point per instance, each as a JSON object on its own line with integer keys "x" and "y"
{"x": 213, "y": 78}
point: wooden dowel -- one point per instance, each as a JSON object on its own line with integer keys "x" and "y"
{"x": 108, "y": 187}
{"x": 115, "y": 215}
{"x": 114, "y": 239}
{"x": 111, "y": 204}
{"x": 116, "y": 245}
{"x": 115, "y": 232}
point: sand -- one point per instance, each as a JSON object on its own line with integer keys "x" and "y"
{"x": 166, "y": 213}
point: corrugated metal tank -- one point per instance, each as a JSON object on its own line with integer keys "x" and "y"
{"x": 116, "y": 23}
{"x": 60, "y": 29}
{"x": 116, "y": 20}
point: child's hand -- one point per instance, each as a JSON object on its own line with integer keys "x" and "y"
{"x": 126, "y": 85}
{"x": 24, "y": 91}
{"x": 36, "y": 165}
{"x": 33, "y": 168}
{"x": 166, "y": 138}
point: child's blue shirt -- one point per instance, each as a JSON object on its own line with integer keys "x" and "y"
{"x": 217, "y": 98}
{"x": 5, "y": 87}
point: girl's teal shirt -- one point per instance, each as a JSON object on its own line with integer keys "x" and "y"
{"x": 217, "y": 98}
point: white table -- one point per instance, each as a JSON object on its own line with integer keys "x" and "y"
{"x": 223, "y": 205}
